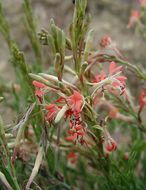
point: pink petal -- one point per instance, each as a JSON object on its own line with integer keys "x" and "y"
{"x": 52, "y": 111}
{"x": 100, "y": 77}
{"x": 121, "y": 78}
{"x": 116, "y": 84}
{"x": 39, "y": 93}
{"x": 78, "y": 127}
{"x": 113, "y": 68}
{"x": 75, "y": 101}
{"x": 38, "y": 84}
{"x": 81, "y": 133}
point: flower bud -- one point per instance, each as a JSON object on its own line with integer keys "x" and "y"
{"x": 105, "y": 41}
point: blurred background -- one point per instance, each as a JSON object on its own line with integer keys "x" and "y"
{"x": 107, "y": 18}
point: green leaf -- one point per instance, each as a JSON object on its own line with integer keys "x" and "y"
{"x": 9, "y": 177}
{"x": 50, "y": 156}
{"x": 97, "y": 127}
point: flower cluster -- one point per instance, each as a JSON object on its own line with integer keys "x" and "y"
{"x": 115, "y": 80}
{"x": 69, "y": 107}
{"x": 80, "y": 101}
{"x": 77, "y": 130}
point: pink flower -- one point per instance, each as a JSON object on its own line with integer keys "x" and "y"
{"x": 39, "y": 92}
{"x": 135, "y": 15}
{"x": 105, "y": 41}
{"x": 76, "y": 131}
{"x": 113, "y": 68}
{"x": 142, "y": 98}
{"x": 75, "y": 102}
{"x": 78, "y": 127}
{"x": 38, "y": 84}
{"x": 52, "y": 112}
{"x": 100, "y": 77}
{"x": 117, "y": 82}
{"x": 142, "y": 2}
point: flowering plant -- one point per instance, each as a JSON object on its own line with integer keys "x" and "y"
{"x": 83, "y": 128}
{"x": 137, "y": 18}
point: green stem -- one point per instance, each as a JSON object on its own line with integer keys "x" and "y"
{"x": 137, "y": 70}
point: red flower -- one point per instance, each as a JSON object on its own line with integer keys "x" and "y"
{"x": 113, "y": 68}
{"x": 105, "y": 41}
{"x": 117, "y": 82}
{"x": 111, "y": 145}
{"x": 126, "y": 156}
{"x": 100, "y": 77}
{"x": 38, "y": 84}
{"x": 135, "y": 15}
{"x": 52, "y": 112}
{"x": 75, "y": 102}
{"x": 60, "y": 100}
{"x": 39, "y": 92}
{"x": 72, "y": 157}
{"x": 68, "y": 113}
{"x": 72, "y": 137}
{"x": 142, "y": 98}
{"x": 76, "y": 131}
{"x": 121, "y": 79}
{"x": 78, "y": 127}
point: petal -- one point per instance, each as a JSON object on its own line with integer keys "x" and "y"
{"x": 81, "y": 133}
{"x": 111, "y": 146}
{"x": 100, "y": 77}
{"x": 78, "y": 127}
{"x": 51, "y": 107}
{"x": 38, "y": 84}
{"x": 116, "y": 84}
{"x": 75, "y": 101}
{"x": 39, "y": 93}
{"x": 113, "y": 68}
{"x": 72, "y": 137}
{"x": 52, "y": 111}
{"x": 121, "y": 78}
{"x": 105, "y": 41}
{"x": 142, "y": 98}
{"x": 71, "y": 155}
{"x": 71, "y": 132}
{"x": 60, "y": 100}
